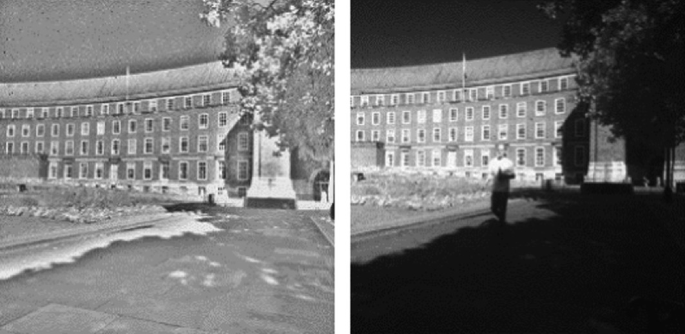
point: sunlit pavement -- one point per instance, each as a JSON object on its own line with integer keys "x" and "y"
{"x": 239, "y": 271}
{"x": 566, "y": 264}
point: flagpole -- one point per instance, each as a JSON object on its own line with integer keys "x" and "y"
{"x": 463, "y": 75}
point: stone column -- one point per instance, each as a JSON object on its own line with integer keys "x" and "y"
{"x": 271, "y": 185}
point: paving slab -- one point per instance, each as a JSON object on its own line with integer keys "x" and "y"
{"x": 60, "y": 319}
{"x": 126, "y": 325}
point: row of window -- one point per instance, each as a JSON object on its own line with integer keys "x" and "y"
{"x": 435, "y": 160}
{"x": 469, "y": 113}
{"x": 132, "y": 147}
{"x": 148, "y": 126}
{"x": 98, "y": 173}
{"x": 485, "y": 133}
{"x": 167, "y": 104}
{"x": 465, "y": 94}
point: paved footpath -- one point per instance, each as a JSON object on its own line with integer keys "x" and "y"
{"x": 566, "y": 263}
{"x": 266, "y": 271}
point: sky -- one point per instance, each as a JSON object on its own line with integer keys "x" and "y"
{"x": 43, "y": 40}
{"x": 402, "y": 33}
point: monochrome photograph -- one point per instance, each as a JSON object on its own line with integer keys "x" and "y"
{"x": 517, "y": 166}
{"x": 166, "y": 166}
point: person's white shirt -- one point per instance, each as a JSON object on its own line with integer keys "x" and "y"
{"x": 503, "y": 165}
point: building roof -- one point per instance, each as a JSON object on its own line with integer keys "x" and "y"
{"x": 518, "y": 66}
{"x": 183, "y": 80}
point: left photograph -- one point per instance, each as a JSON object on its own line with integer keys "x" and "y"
{"x": 167, "y": 166}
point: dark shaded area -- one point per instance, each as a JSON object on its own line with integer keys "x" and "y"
{"x": 575, "y": 271}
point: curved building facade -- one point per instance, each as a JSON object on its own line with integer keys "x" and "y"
{"x": 443, "y": 117}
{"x": 176, "y": 131}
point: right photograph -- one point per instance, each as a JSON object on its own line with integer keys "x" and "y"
{"x": 517, "y": 166}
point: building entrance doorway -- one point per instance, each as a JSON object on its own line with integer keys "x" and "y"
{"x": 321, "y": 185}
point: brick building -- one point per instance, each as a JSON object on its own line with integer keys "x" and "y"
{"x": 428, "y": 118}
{"x": 176, "y": 130}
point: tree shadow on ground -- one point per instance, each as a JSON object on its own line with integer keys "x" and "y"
{"x": 575, "y": 271}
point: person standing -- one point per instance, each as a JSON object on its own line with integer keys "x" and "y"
{"x": 501, "y": 170}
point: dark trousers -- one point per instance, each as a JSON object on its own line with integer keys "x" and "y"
{"x": 498, "y": 204}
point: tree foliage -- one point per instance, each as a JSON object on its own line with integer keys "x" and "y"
{"x": 283, "y": 52}
{"x": 629, "y": 63}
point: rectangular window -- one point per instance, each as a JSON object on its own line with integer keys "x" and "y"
{"x": 223, "y": 119}
{"x": 116, "y": 127}
{"x": 579, "y": 155}
{"x": 24, "y": 149}
{"x": 225, "y": 97}
{"x": 404, "y": 157}
{"x": 149, "y": 125}
{"x": 560, "y": 106}
{"x": 579, "y": 126}
{"x": 360, "y": 135}
{"x": 183, "y": 144}
{"x": 484, "y": 157}
{"x": 74, "y": 112}
{"x": 409, "y": 97}
{"x": 437, "y": 135}
{"x": 243, "y": 171}
{"x": 44, "y": 112}
{"x": 84, "y": 147}
{"x": 469, "y": 113}
{"x": 202, "y": 143}
{"x": 453, "y": 134}
{"x": 468, "y": 133}
{"x": 406, "y": 117}
{"x": 40, "y": 147}
{"x": 485, "y": 111}
{"x": 201, "y": 170}
{"x": 104, "y": 109}
{"x": 540, "y": 130}
{"x": 391, "y": 117}
{"x": 441, "y": 96}
{"x": 188, "y": 101}
{"x": 100, "y": 128}
{"x": 544, "y": 86}
{"x": 182, "y": 170}
{"x": 85, "y": 129}
{"x": 131, "y": 170}
{"x": 166, "y": 124}
{"x": 360, "y": 118}
{"x": 184, "y": 123}
{"x": 54, "y": 148}
{"x": 380, "y": 100}
{"x": 502, "y": 130}
{"x": 506, "y": 90}
{"x": 520, "y": 157}
{"x": 89, "y": 110}
{"x": 389, "y": 158}
{"x": 421, "y": 116}
{"x": 221, "y": 140}
{"x": 243, "y": 141}
{"x": 69, "y": 147}
{"x": 29, "y": 113}
{"x": 83, "y": 170}
{"x": 11, "y": 130}
{"x": 525, "y": 88}
{"x": 421, "y": 135}
{"x": 375, "y": 135}
{"x": 68, "y": 171}
{"x": 437, "y": 158}
{"x": 221, "y": 168}
{"x": 15, "y": 113}
{"x": 390, "y": 136}
{"x": 206, "y": 100}
{"x": 164, "y": 170}
{"x": 558, "y": 131}
{"x": 120, "y": 108}
{"x": 99, "y": 147}
{"x": 563, "y": 83}
{"x": 540, "y": 107}
{"x": 40, "y": 130}
{"x": 365, "y": 101}
{"x": 25, "y": 130}
{"x": 149, "y": 145}
{"x": 521, "y": 109}
{"x": 59, "y": 112}
{"x": 473, "y": 94}
{"x": 485, "y": 132}
{"x": 375, "y": 118}
{"x": 521, "y": 131}
{"x": 152, "y": 105}
{"x": 490, "y": 92}
{"x": 203, "y": 121}
{"x": 405, "y": 135}
{"x": 425, "y": 98}
{"x": 437, "y": 115}
{"x": 131, "y": 147}
{"x": 170, "y": 104}
{"x": 53, "y": 170}
{"x": 503, "y": 111}
{"x": 468, "y": 158}
{"x": 456, "y": 95}
{"x": 132, "y": 126}
{"x": 116, "y": 147}
{"x": 99, "y": 170}
{"x": 539, "y": 156}
{"x": 9, "y": 147}
{"x": 166, "y": 145}
{"x": 147, "y": 170}
{"x": 395, "y": 99}
{"x": 453, "y": 114}
{"x": 136, "y": 107}
{"x": 420, "y": 158}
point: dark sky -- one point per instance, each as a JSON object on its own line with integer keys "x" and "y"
{"x": 400, "y": 33}
{"x": 69, "y": 39}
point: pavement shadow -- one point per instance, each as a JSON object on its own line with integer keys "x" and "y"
{"x": 574, "y": 271}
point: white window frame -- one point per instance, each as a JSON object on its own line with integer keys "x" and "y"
{"x": 166, "y": 145}
{"x": 468, "y": 154}
{"x": 89, "y": 110}
{"x": 469, "y": 114}
{"x": 519, "y": 127}
{"x": 99, "y": 147}
{"x": 540, "y": 131}
{"x": 222, "y": 119}
{"x": 360, "y": 136}
{"x": 490, "y": 92}
{"x": 436, "y": 158}
{"x": 517, "y": 162}
{"x": 87, "y": 147}
{"x": 454, "y": 114}
{"x": 501, "y": 127}
{"x": 468, "y": 133}
{"x": 116, "y": 125}
{"x": 39, "y": 147}
{"x": 100, "y": 128}
{"x": 25, "y": 130}
{"x": 184, "y": 120}
{"x": 152, "y": 105}
{"x": 375, "y": 135}
{"x": 85, "y": 128}
{"x": 539, "y": 163}
{"x": 390, "y": 134}
{"x": 420, "y": 158}
{"x": 484, "y": 153}
{"x": 361, "y": 118}
{"x": 181, "y": 175}
{"x": 130, "y": 166}
{"x": 483, "y": 132}
{"x": 375, "y": 118}
{"x": 69, "y": 147}
{"x": 11, "y": 131}
{"x": 420, "y": 135}
{"x": 557, "y": 129}
{"x": 71, "y": 126}
{"x": 406, "y": 136}
{"x": 406, "y": 119}
{"x": 151, "y": 140}
{"x": 437, "y": 115}
{"x": 180, "y": 144}
{"x": 131, "y": 146}
{"x": 503, "y": 112}
{"x": 104, "y": 109}
{"x": 390, "y": 117}
{"x": 454, "y": 138}
{"x": 437, "y": 135}
{"x": 364, "y": 101}
{"x": 200, "y": 140}
{"x": 203, "y": 124}
{"x": 132, "y": 126}
{"x": 421, "y": 116}
{"x": 525, "y": 88}
{"x": 521, "y": 109}
{"x": 540, "y": 107}
{"x": 151, "y": 123}
{"x": 504, "y": 91}
{"x": 485, "y": 116}
{"x": 199, "y": 170}
{"x": 115, "y": 147}
{"x": 556, "y": 105}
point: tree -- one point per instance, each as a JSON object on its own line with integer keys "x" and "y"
{"x": 282, "y": 50}
{"x": 629, "y": 65}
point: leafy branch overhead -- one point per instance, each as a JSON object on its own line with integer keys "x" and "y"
{"x": 283, "y": 52}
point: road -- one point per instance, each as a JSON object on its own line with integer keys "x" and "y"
{"x": 561, "y": 265}
{"x": 235, "y": 271}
